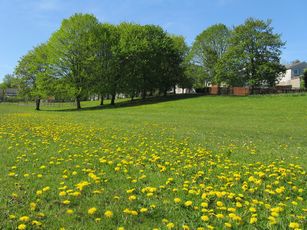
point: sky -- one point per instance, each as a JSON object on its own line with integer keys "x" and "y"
{"x": 27, "y": 23}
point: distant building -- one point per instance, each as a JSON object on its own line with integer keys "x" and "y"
{"x": 293, "y": 75}
{"x": 9, "y": 92}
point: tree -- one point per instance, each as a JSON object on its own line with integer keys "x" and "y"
{"x": 253, "y": 56}
{"x": 32, "y": 74}
{"x": 9, "y": 81}
{"x": 208, "y": 49}
{"x": 106, "y": 67}
{"x": 72, "y": 49}
{"x": 139, "y": 57}
{"x": 179, "y": 61}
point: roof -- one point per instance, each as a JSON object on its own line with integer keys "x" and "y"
{"x": 297, "y": 65}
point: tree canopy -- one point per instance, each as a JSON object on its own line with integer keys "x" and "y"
{"x": 253, "y": 55}
{"x": 207, "y": 50}
{"x": 85, "y": 57}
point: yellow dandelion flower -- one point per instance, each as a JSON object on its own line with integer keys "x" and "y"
{"x": 69, "y": 211}
{"x": 294, "y": 225}
{"x": 22, "y": 227}
{"x": 24, "y": 218}
{"x": 253, "y": 220}
{"x": 170, "y": 225}
{"x": 188, "y": 203}
{"x": 108, "y": 214}
{"x": 91, "y": 211}
{"x": 177, "y": 200}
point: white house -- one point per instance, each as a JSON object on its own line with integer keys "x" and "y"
{"x": 293, "y": 74}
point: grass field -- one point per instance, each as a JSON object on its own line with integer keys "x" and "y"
{"x": 195, "y": 163}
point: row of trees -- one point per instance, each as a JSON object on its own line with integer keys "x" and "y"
{"x": 84, "y": 57}
{"x": 247, "y": 55}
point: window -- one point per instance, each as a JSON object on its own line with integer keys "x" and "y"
{"x": 296, "y": 72}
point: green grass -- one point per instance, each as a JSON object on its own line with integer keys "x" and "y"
{"x": 203, "y": 143}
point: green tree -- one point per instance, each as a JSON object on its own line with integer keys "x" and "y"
{"x": 106, "y": 67}
{"x": 9, "y": 81}
{"x": 207, "y": 50}
{"x": 32, "y": 74}
{"x": 72, "y": 49}
{"x": 139, "y": 58}
{"x": 178, "y": 60}
{"x": 253, "y": 56}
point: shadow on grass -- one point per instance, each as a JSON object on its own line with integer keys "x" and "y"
{"x": 136, "y": 102}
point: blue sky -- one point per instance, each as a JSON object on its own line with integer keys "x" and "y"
{"x": 26, "y": 23}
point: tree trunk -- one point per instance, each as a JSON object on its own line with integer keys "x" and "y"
{"x": 143, "y": 94}
{"x": 78, "y": 102}
{"x": 37, "y": 103}
{"x": 174, "y": 89}
{"x": 113, "y": 99}
{"x": 101, "y": 100}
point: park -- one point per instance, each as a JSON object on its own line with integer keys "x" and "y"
{"x": 128, "y": 125}
{"x": 200, "y": 162}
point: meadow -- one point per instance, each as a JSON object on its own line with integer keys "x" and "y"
{"x": 196, "y": 163}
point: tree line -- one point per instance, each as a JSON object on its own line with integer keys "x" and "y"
{"x": 85, "y": 57}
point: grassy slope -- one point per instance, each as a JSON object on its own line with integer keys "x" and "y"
{"x": 275, "y": 126}
{"x": 248, "y": 129}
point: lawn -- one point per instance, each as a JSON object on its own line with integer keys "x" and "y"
{"x": 194, "y": 163}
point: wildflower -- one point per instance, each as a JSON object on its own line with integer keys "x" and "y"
{"x": 143, "y": 210}
{"x": 177, "y": 200}
{"x": 66, "y": 202}
{"x": 108, "y": 214}
{"x": 253, "y": 220}
{"x": 63, "y": 193}
{"x": 170, "y": 225}
{"x": 204, "y": 218}
{"x": 91, "y": 211}
{"x": 131, "y": 198}
{"x": 22, "y": 227}
{"x": 188, "y": 203}
{"x": 36, "y": 223}
{"x": 24, "y": 218}
{"x": 219, "y": 204}
{"x": 294, "y": 225}
{"x": 69, "y": 211}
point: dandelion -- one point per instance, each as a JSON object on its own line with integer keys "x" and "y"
{"x": 108, "y": 214}
{"x": 204, "y": 218}
{"x": 143, "y": 210}
{"x": 294, "y": 225}
{"x": 91, "y": 211}
{"x": 253, "y": 220}
{"x": 69, "y": 211}
{"x": 24, "y": 218}
{"x": 170, "y": 225}
{"x": 22, "y": 227}
{"x": 66, "y": 202}
{"x": 177, "y": 200}
{"x": 188, "y": 203}
{"x": 219, "y": 204}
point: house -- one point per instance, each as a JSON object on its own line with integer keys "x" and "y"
{"x": 9, "y": 92}
{"x": 293, "y": 75}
